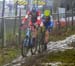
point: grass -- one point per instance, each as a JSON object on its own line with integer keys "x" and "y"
{"x": 60, "y": 35}
{"x": 67, "y": 57}
{"x": 7, "y": 55}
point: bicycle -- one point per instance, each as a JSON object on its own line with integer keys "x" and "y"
{"x": 41, "y": 39}
{"x": 28, "y": 43}
{"x": 42, "y": 44}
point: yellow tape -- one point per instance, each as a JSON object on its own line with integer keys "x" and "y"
{"x": 39, "y": 2}
{"x": 21, "y": 2}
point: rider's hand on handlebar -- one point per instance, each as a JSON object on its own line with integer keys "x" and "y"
{"x": 41, "y": 25}
{"x": 35, "y": 25}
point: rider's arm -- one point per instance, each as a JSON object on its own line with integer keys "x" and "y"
{"x": 51, "y": 24}
{"x": 39, "y": 20}
{"x": 41, "y": 25}
{"x": 26, "y": 17}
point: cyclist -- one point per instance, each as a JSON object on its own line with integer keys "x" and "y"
{"x": 48, "y": 24}
{"x": 34, "y": 21}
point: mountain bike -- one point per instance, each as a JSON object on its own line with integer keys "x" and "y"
{"x": 41, "y": 39}
{"x": 28, "y": 45}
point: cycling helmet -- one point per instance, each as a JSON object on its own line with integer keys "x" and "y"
{"x": 47, "y": 13}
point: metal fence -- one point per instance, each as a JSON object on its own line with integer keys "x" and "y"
{"x": 11, "y": 35}
{"x": 64, "y": 20}
{"x": 9, "y": 28}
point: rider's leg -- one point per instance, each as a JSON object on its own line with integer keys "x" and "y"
{"x": 34, "y": 35}
{"x": 46, "y": 39}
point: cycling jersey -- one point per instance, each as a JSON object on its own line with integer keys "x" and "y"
{"x": 48, "y": 25}
{"x": 34, "y": 15}
{"x": 33, "y": 19}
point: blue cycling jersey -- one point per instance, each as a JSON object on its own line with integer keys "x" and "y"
{"x": 48, "y": 24}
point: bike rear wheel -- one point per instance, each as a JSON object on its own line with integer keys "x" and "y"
{"x": 42, "y": 40}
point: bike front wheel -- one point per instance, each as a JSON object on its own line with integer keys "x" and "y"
{"x": 34, "y": 47}
{"x": 25, "y": 47}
